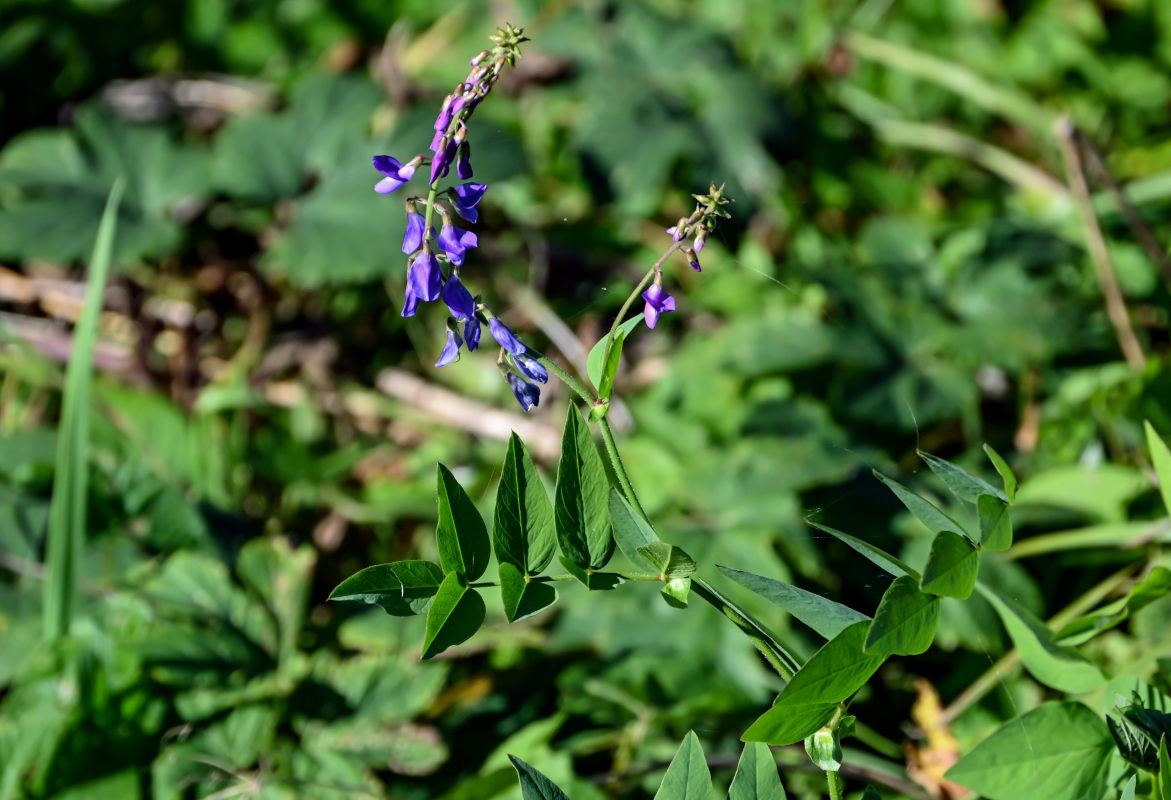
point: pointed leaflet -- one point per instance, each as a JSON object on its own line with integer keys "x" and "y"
{"x": 596, "y": 360}
{"x": 1057, "y": 751}
{"x": 1154, "y": 586}
{"x": 582, "y": 512}
{"x": 668, "y": 560}
{"x": 610, "y": 365}
{"x": 962, "y": 484}
{"x": 1005, "y": 472}
{"x": 688, "y": 777}
{"x": 463, "y": 538}
{"x": 756, "y": 775}
{"x": 820, "y": 613}
{"x": 455, "y": 614}
{"x": 534, "y": 785}
{"x": 404, "y": 588}
{"x": 630, "y": 531}
{"x": 523, "y": 598}
{"x": 522, "y": 526}
{"x": 1164, "y": 769}
{"x": 905, "y": 622}
{"x": 924, "y": 510}
{"x": 995, "y": 523}
{"x": 1161, "y": 459}
{"x": 1048, "y": 662}
{"x": 761, "y": 637}
{"x": 876, "y": 555}
{"x": 1130, "y": 788}
{"x": 952, "y": 566}
{"x": 807, "y": 702}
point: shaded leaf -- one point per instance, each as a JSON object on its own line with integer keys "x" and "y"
{"x": 1004, "y": 471}
{"x": 905, "y": 621}
{"x": 688, "y": 777}
{"x": 668, "y": 560}
{"x": 595, "y": 366}
{"x": 595, "y": 581}
{"x": 951, "y": 567}
{"x": 403, "y": 588}
{"x": 522, "y": 528}
{"x": 923, "y": 509}
{"x": 523, "y": 598}
{"x": 1154, "y": 586}
{"x": 962, "y": 484}
{"x": 756, "y": 775}
{"x": 995, "y": 523}
{"x": 875, "y": 555}
{"x": 820, "y": 613}
{"x": 630, "y": 531}
{"x": 462, "y": 535}
{"x": 1161, "y": 460}
{"x": 582, "y": 512}
{"x": 455, "y": 614}
{"x": 534, "y": 785}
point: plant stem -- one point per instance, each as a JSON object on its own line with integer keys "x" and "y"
{"x": 620, "y": 469}
{"x": 428, "y": 213}
{"x": 573, "y": 383}
{"x": 834, "y": 781}
{"x": 626, "y": 576}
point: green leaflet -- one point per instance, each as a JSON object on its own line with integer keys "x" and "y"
{"x": 404, "y": 588}
{"x": 668, "y": 560}
{"x": 995, "y": 523}
{"x": 962, "y": 484}
{"x": 840, "y": 668}
{"x": 820, "y": 613}
{"x": 630, "y": 531}
{"x": 523, "y": 598}
{"x": 455, "y": 614}
{"x": 595, "y": 360}
{"x": 582, "y": 510}
{"x": 1058, "y": 751}
{"x": 876, "y": 555}
{"x": 688, "y": 777}
{"x": 1004, "y": 470}
{"x": 905, "y": 621}
{"x": 756, "y": 775}
{"x": 1164, "y": 769}
{"x": 1156, "y": 585}
{"x": 951, "y": 567}
{"x": 522, "y": 526}
{"x": 534, "y": 785}
{"x": 923, "y": 510}
{"x": 462, "y": 535}
{"x": 1161, "y": 459}
{"x": 1051, "y": 664}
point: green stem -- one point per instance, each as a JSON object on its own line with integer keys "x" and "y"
{"x": 428, "y": 214}
{"x": 642, "y": 284}
{"x": 573, "y": 383}
{"x": 626, "y": 576}
{"x": 834, "y": 781}
{"x": 620, "y": 469}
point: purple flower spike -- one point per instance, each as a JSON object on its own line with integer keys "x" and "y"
{"x": 505, "y": 338}
{"x": 450, "y": 350}
{"x": 531, "y": 368}
{"x": 657, "y": 302}
{"x": 527, "y": 395}
{"x": 455, "y": 241}
{"x": 463, "y": 167}
{"x": 424, "y": 279}
{"x": 460, "y": 301}
{"x": 396, "y": 173}
{"x": 413, "y": 238}
{"x": 467, "y": 196}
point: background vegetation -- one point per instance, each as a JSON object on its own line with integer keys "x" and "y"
{"x": 907, "y": 268}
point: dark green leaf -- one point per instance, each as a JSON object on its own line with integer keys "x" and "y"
{"x": 756, "y": 775}
{"x": 688, "y": 777}
{"x": 871, "y": 794}
{"x": 1048, "y": 662}
{"x": 1058, "y": 751}
{"x": 523, "y": 598}
{"x": 905, "y": 622}
{"x": 630, "y": 531}
{"x": 522, "y": 529}
{"x": 455, "y": 614}
{"x": 594, "y": 361}
{"x": 840, "y": 668}
{"x": 534, "y": 785}
{"x": 952, "y": 566}
{"x": 463, "y": 538}
{"x": 1005, "y": 472}
{"x": 875, "y": 555}
{"x": 995, "y": 523}
{"x": 582, "y": 513}
{"x": 924, "y": 510}
{"x": 963, "y": 484}
{"x": 668, "y": 560}
{"x": 820, "y": 613}
{"x": 403, "y": 588}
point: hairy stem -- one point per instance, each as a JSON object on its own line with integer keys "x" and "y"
{"x": 834, "y": 782}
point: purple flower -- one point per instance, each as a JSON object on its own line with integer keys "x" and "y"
{"x": 700, "y": 239}
{"x": 463, "y": 167}
{"x": 692, "y": 259}
{"x": 455, "y": 241}
{"x": 424, "y": 278}
{"x": 411, "y": 304}
{"x": 441, "y": 163}
{"x": 527, "y": 395}
{"x": 467, "y": 195}
{"x": 657, "y": 302}
{"x": 436, "y": 140}
{"x": 450, "y": 350}
{"x": 396, "y": 174}
{"x": 444, "y": 118}
{"x": 677, "y": 232}
{"x": 504, "y": 337}
{"x": 459, "y": 300}
{"x": 472, "y": 333}
{"x": 413, "y": 238}
{"x": 531, "y": 368}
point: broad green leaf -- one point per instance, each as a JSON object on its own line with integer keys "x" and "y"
{"x": 523, "y": 598}
{"x": 463, "y": 538}
{"x": 688, "y": 777}
{"x": 597, "y": 354}
{"x": 995, "y": 523}
{"x": 630, "y": 531}
{"x": 840, "y": 668}
{"x": 924, "y": 510}
{"x": 876, "y": 555}
{"x": 404, "y": 588}
{"x": 1161, "y": 460}
{"x": 756, "y": 775}
{"x": 610, "y": 366}
{"x": 951, "y": 567}
{"x": 905, "y": 622}
{"x": 1058, "y": 751}
{"x": 668, "y": 560}
{"x": 1004, "y": 470}
{"x": 455, "y": 614}
{"x": 1053, "y": 665}
{"x": 582, "y": 513}
{"x": 534, "y": 785}
{"x": 1156, "y": 585}
{"x": 963, "y": 484}
{"x": 522, "y": 528}
{"x": 820, "y": 613}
